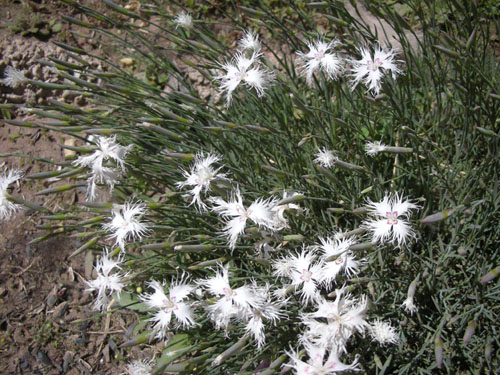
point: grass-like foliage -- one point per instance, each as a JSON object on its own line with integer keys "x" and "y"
{"x": 348, "y": 202}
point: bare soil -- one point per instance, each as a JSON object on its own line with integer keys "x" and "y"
{"x": 47, "y": 325}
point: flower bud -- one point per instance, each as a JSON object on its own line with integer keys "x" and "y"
{"x": 229, "y": 352}
{"x": 438, "y": 350}
{"x": 469, "y": 332}
{"x": 490, "y": 275}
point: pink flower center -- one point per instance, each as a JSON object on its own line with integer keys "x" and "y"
{"x": 373, "y": 65}
{"x": 334, "y": 318}
{"x": 170, "y": 304}
{"x": 229, "y": 293}
{"x": 257, "y": 317}
{"x": 331, "y": 365}
{"x": 306, "y": 275}
{"x": 392, "y": 217}
{"x": 242, "y": 75}
{"x": 204, "y": 176}
{"x": 339, "y": 260}
{"x": 319, "y": 55}
{"x": 243, "y": 213}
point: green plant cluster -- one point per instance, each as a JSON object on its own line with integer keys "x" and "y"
{"x": 445, "y": 108}
{"x": 31, "y": 21}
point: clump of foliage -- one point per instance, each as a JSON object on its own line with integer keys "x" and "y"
{"x": 31, "y": 21}
{"x": 247, "y": 192}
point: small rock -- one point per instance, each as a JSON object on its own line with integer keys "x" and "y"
{"x": 51, "y": 299}
{"x": 80, "y": 100}
{"x": 67, "y": 358}
{"x": 89, "y": 264}
{"x": 44, "y": 358}
{"x": 24, "y": 361}
{"x": 127, "y": 61}
{"x": 27, "y": 249}
{"x": 70, "y": 141}
{"x": 60, "y": 310}
{"x": 106, "y": 354}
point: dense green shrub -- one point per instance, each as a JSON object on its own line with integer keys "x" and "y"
{"x": 438, "y": 114}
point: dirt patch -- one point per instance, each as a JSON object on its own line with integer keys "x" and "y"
{"x": 47, "y": 325}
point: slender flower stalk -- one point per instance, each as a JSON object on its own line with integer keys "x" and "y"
{"x": 373, "y": 148}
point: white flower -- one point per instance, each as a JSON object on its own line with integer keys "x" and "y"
{"x": 319, "y": 58}
{"x": 125, "y": 224}
{"x": 200, "y": 176}
{"x": 372, "y": 148}
{"x": 335, "y": 247}
{"x": 106, "y": 282}
{"x": 344, "y": 316}
{"x": 107, "y": 163}
{"x": 250, "y": 42}
{"x": 283, "y": 267}
{"x": 13, "y": 77}
{"x": 383, "y": 332}
{"x": 371, "y": 70}
{"x": 102, "y": 175}
{"x": 7, "y": 208}
{"x": 409, "y": 305}
{"x": 107, "y": 149}
{"x": 318, "y": 364}
{"x": 282, "y": 293}
{"x": 306, "y": 275}
{"x": 389, "y": 222}
{"x": 174, "y": 305}
{"x": 183, "y": 20}
{"x": 260, "y": 212}
{"x": 279, "y": 211}
{"x": 144, "y": 367}
{"x": 325, "y": 158}
{"x": 266, "y": 311}
{"x": 408, "y": 302}
{"x": 246, "y": 70}
{"x": 229, "y": 302}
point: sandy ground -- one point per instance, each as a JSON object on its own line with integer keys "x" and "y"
{"x": 47, "y": 325}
